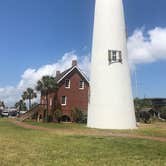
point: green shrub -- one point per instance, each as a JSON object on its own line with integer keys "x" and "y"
{"x": 145, "y": 117}
{"x": 50, "y": 118}
{"x": 163, "y": 115}
{"x": 58, "y": 115}
{"x": 85, "y": 117}
{"x": 78, "y": 115}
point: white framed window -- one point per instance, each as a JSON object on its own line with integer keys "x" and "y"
{"x": 114, "y": 56}
{"x": 82, "y": 84}
{"x": 64, "y": 100}
{"x": 67, "y": 83}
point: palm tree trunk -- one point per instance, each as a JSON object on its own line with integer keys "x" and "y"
{"x": 29, "y": 104}
{"x": 46, "y": 118}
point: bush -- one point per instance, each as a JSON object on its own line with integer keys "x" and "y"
{"x": 50, "y": 118}
{"x": 78, "y": 116}
{"x": 58, "y": 115}
{"x": 145, "y": 117}
{"x": 85, "y": 117}
{"x": 137, "y": 114}
{"x": 163, "y": 115}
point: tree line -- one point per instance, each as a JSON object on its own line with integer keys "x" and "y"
{"x": 46, "y": 85}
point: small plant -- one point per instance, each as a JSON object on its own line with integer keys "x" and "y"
{"x": 50, "y": 118}
{"x": 85, "y": 117}
{"x": 145, "y": 117}
{"x": 58, "y": 115}
{"x": 78, "y": 115}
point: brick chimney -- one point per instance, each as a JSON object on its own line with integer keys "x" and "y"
{"x": 58, "y": 73}
{"x": 74, "y": 62}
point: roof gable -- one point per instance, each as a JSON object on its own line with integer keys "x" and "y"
{"x": 64, "y": 74}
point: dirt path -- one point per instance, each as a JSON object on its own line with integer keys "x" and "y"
{"x": 90, "y": 132}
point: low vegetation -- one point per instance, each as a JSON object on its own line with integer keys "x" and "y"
{"x": 147, "y": 112}
{"x": 157, "y": 129}
{"x": 19, "y": 146}
{"x": 78, "y": 115}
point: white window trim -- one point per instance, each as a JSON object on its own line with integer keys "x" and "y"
{"x": 65, "y": 101}
{"x": 83, "y": 87}
{"x": 69, "y": 84}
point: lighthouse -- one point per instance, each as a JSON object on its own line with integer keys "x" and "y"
{"x": 111, "y": 101}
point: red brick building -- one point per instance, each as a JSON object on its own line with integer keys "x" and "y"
{"x": 72, "y": 92}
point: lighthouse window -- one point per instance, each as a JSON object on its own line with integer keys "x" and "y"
{"x": 114, "y": 53}
{"x": 114, "y": 56}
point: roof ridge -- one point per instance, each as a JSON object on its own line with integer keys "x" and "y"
{"x": 67, "y": 71}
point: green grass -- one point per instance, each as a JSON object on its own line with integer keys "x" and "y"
{"x": 157, "y": 129}
{"x": 26, "y": 147}
{"x": 152, "y": 130}
{"x": 58, "y": 125}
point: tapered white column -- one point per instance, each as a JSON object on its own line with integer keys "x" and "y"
{"x": 111, "y": 102}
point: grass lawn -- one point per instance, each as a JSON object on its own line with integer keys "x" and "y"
{"x": 26, "y": 147}
{"x": 58, "y": 125}
{"x": 157, "y": 129}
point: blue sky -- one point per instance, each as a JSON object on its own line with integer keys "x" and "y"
{"x": 34, "y": 33}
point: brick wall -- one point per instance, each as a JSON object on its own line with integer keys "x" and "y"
{"x": 76, "y": 97}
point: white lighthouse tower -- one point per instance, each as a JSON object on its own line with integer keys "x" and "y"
{"x": 111, "y": 102}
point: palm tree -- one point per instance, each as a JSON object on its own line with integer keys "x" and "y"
{"x": 21, "y": 105}
{"x": 34, "y": 104}
{"x": 46, "y": 85}
{"x": 29, "y": 94}
{"x": 2, "y": 104}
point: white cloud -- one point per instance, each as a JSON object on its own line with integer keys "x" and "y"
{"x": 29, "y": 78}
{"x": 147, "y": 47}
{"x": 143, "y": 47}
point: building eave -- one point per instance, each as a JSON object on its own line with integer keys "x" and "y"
{"x": 74, "y": 67}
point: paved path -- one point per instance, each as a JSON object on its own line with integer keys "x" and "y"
{"x": 90, "y": 132}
